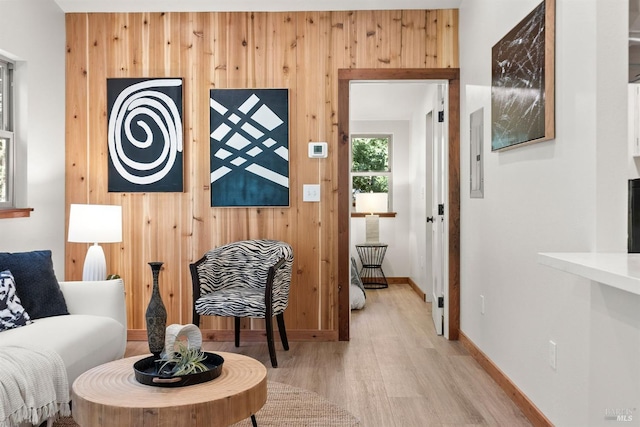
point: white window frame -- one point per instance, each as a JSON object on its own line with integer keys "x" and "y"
{"x": 388, "y": 174}
{"x": 7, "y": 130}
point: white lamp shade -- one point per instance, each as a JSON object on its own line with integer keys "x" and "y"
{"x": 95, "y": 224}
{"x": 372, "y": 202}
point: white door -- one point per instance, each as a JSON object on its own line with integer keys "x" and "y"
{"x": 436, "y": 126}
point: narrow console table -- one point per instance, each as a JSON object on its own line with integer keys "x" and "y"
{"x": 371, "y": 255}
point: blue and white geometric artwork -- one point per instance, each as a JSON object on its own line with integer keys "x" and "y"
{"x": 145, "y": 135}
{"x": 249, "y": 147}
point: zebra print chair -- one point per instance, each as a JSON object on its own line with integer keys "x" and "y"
{"x": 249, "y": 278}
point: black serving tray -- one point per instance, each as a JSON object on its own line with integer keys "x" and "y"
{"x": 146, "y": 372}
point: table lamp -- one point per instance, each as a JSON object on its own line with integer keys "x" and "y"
{"x": 372, "y": 203}
{"x": 95, "y": 224}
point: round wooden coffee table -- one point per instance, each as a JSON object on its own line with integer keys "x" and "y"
{"x": 109, "y": 395}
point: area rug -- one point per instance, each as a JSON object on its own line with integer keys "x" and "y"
{"x": 287, "y": 406}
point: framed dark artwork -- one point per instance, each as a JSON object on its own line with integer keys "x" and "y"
{"x": 249, "y": 147}
{"x": 523, "y": 80}
{"x": 476, "y": 129}
{"x": 145, "y": 134}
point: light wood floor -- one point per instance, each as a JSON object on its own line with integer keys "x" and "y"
{"x": 394, "y": 372}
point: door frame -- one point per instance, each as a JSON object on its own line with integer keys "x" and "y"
{"x": 345, "y": 76}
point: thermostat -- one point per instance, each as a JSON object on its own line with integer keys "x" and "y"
{"x": 317, "y": 150}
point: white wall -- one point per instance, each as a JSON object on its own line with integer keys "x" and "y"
{"x": 393, "y": 231}
{"x": 565, "y": 195}
{"x": 33, "y": 32}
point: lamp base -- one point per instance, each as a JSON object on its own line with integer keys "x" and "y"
{"x": 372, "y": 228}
{"x": 95, "y": 264}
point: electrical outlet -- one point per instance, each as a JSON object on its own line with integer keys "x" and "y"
{"x": 311, "y": 193}
{"x": 553, "y": 354}
{"x": 481, "y": 304}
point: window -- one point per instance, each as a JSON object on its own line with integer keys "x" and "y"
{"x": 371, "y": 165}
{"x": 6, "y": 134}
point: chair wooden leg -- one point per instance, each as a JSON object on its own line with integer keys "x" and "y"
{"x": 272, "y": 347}
{"x": 237, "y": 330}
{"x": 283, "y": 331}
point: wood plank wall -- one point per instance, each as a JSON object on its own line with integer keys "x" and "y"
{"x": 301, "y": 51}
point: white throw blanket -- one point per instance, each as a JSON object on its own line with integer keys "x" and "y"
{"x": 33, "y": 386}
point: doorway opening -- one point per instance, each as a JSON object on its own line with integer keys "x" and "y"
{"x": 345, "y": 76}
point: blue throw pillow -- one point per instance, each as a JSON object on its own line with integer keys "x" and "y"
{"x": 36, "y": 283}
{"x": 12, "y": 313}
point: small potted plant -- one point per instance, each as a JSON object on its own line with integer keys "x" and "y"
{"x": 183, "y": 360}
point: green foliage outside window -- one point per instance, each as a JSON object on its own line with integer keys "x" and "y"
{"x": 3, "y": 170}
{"x": 3, "y": 145}
{"x": 3, "y": 84}
{"x": 4, "y": 126}
{"x": 370, "y": 184}
{"x": 370, "y": 155}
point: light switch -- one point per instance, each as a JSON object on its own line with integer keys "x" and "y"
{"x": 311, "y": 193}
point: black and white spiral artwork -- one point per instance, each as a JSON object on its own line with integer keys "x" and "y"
{"x": 145, "y": 135}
